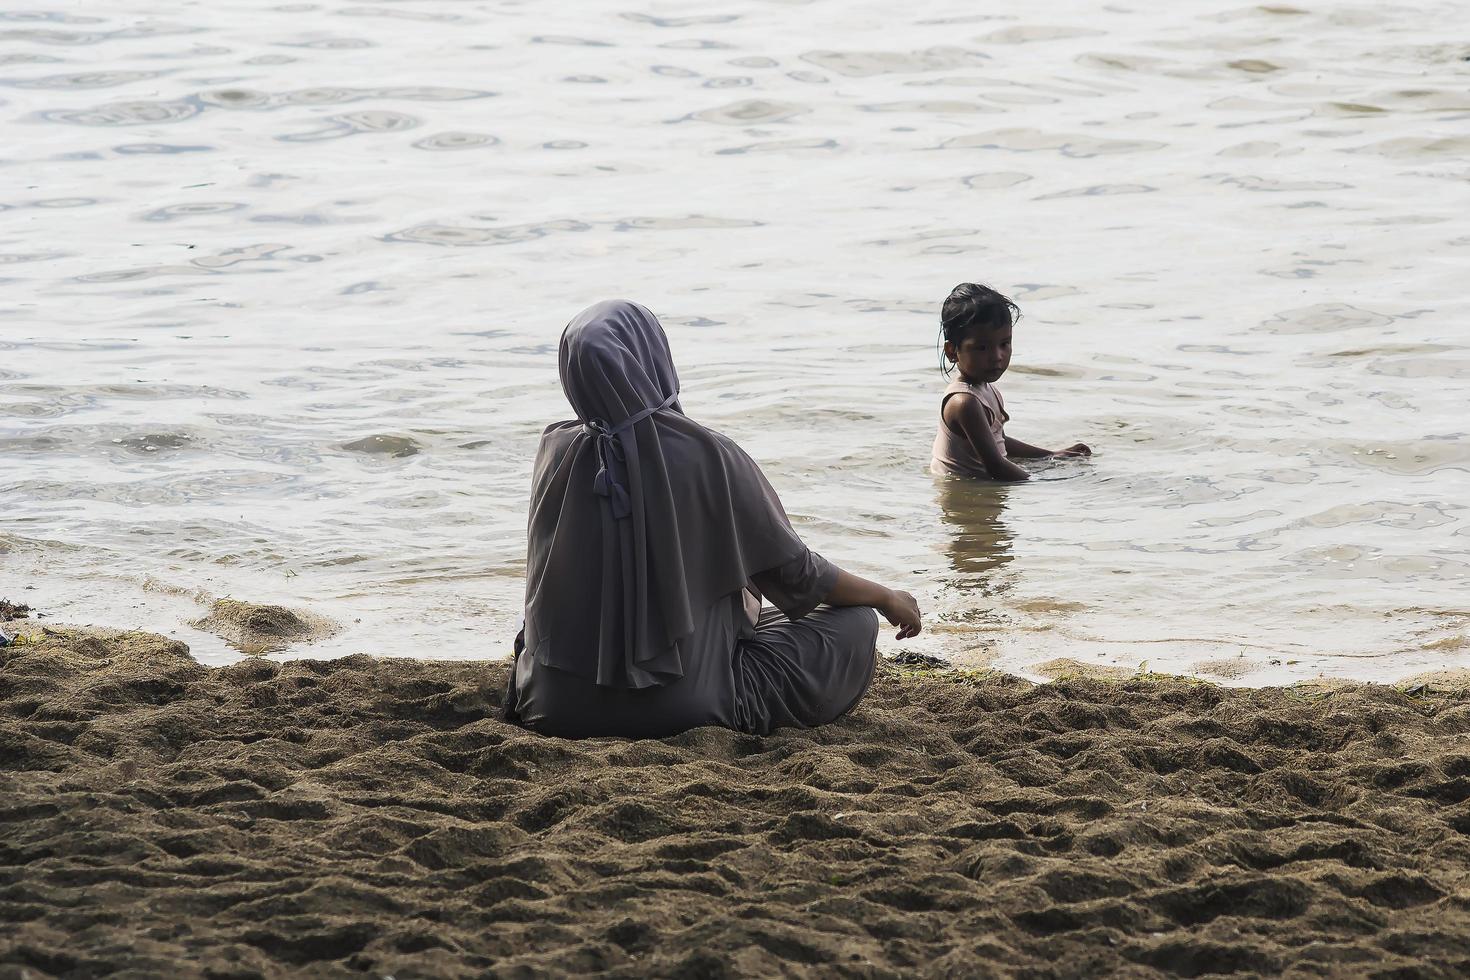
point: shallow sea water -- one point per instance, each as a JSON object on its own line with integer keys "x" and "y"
{"x": 280, "y": 291}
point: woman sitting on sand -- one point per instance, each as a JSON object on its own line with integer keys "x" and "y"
{"x": 650, "y": 542}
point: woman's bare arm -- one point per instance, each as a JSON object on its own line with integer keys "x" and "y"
{"x": 899, "y": 608}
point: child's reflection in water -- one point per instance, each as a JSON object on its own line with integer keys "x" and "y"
{"x": 979, "y": 545}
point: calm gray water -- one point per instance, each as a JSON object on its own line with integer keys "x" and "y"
{"x": 280, "y": 290}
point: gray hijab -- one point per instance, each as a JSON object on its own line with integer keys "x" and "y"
{"x": 641, "y": 518}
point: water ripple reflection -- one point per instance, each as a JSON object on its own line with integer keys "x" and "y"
{"x": 1235, "y": 233}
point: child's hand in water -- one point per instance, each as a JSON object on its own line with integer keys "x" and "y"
{"x": 902, "y": 610}
{"x": 1073, "y": 451}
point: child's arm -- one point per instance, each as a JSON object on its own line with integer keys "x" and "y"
{"x": 963, "y": 412}
{"x": 1024, "y": 450}
{"x": 1015, "y": 447}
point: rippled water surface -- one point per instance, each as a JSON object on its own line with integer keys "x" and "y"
{"x": 280, "y": 290}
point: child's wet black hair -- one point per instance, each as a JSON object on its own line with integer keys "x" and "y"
{"x": 972, "y": 306}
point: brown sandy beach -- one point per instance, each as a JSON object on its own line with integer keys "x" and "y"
{"x": 373, "y": 816}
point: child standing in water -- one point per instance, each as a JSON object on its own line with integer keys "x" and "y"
{"x": 976, "y": 323}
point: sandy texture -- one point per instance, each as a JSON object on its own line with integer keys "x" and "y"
{"x": 253, "y": 628}
{"x": 162, "y": 818}
{"x": 1229, "y": 668}
{"x": 1065, "y": 668}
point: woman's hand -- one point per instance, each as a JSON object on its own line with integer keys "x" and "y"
{"x": 1077, "y": 450}
{"x": 901, "y": 610}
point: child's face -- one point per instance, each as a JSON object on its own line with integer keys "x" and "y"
{"x": 983, "y": 355}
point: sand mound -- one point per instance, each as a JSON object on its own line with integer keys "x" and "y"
{"x": 385, "y": 445}
{"x": 252, "y": 628}
{"x": 365, "y": 815}
{"x": 1229, "y": 667}
{"x": 1065, "y": 668}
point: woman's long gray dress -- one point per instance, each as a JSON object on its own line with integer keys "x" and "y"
{"x": 646, "y": 535}
{"x": 799, "y": 665}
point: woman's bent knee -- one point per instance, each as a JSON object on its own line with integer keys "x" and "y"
{"x": 864, "y": 624}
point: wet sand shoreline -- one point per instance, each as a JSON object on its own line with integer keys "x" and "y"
{"x": 374, "y": 815}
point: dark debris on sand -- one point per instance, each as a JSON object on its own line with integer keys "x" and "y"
{"x": 13, "y": 610}
{"x": 335, "y": 818}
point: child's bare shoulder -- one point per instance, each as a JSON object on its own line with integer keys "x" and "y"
{"x": 963, "y": 408}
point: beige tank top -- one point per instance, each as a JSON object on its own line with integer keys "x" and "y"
{"x": 952, "y": 451}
